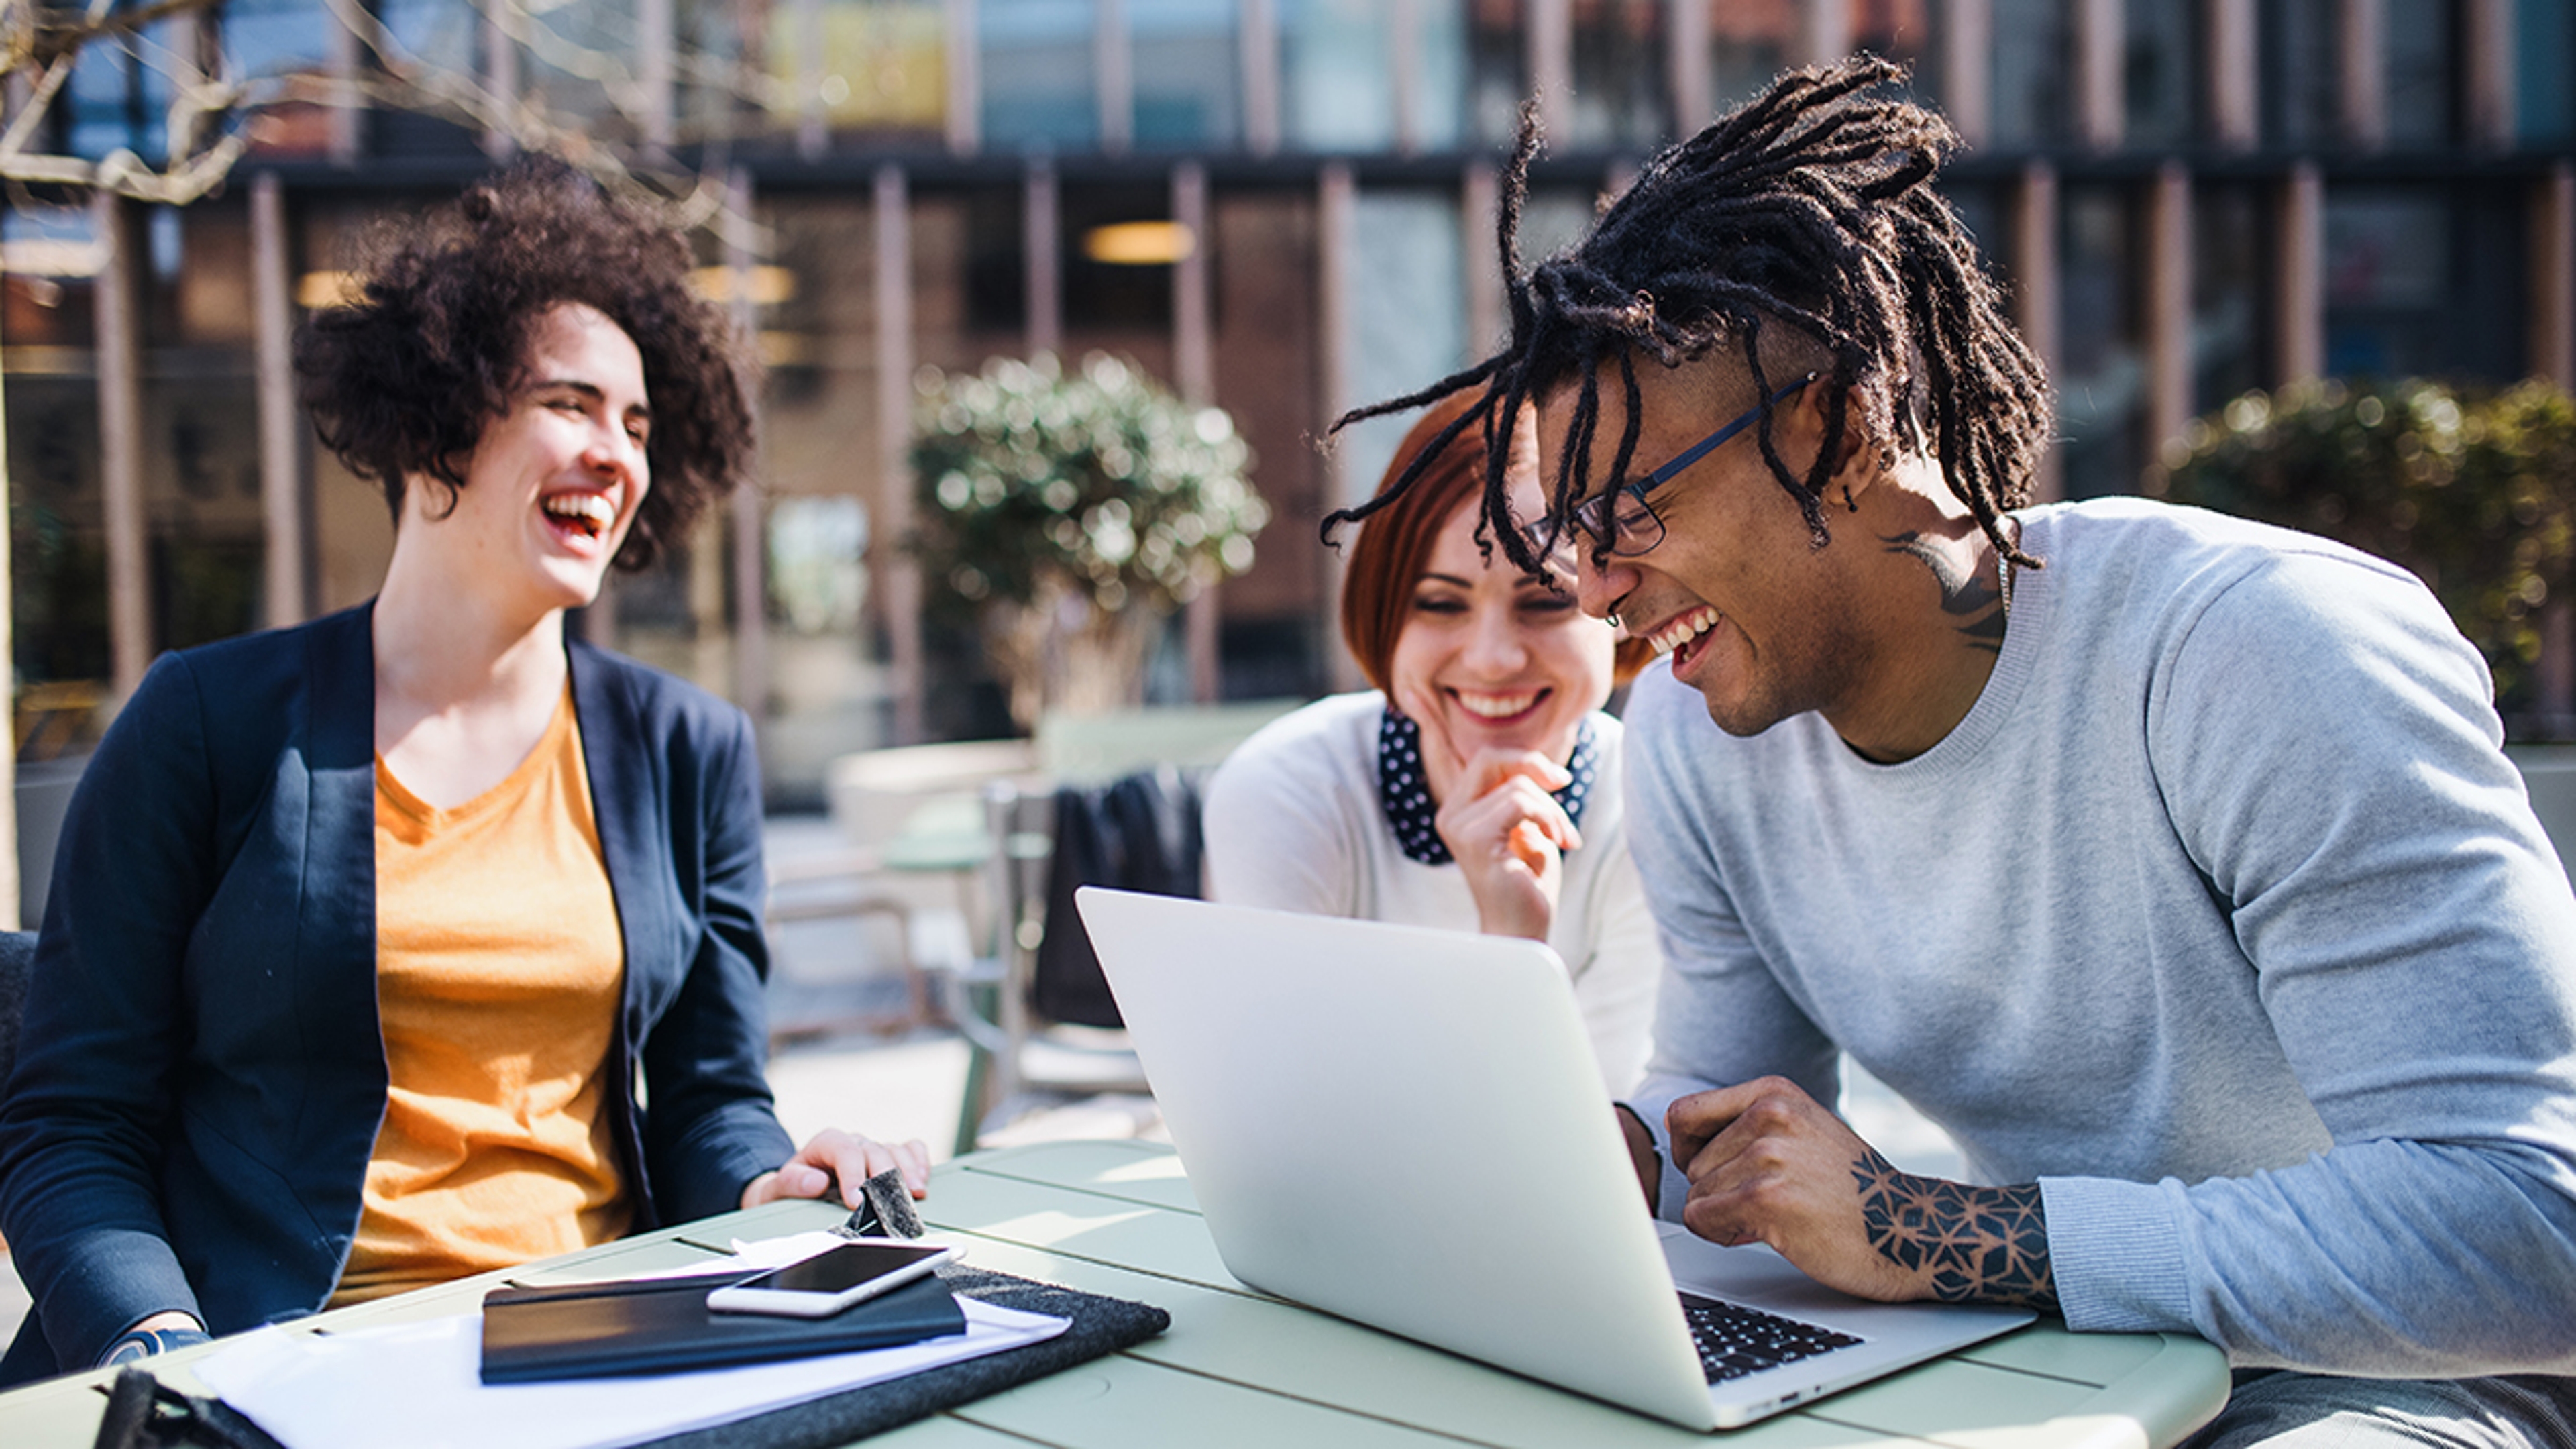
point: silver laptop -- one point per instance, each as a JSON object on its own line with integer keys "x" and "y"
{"x": 1405, "y": 1127}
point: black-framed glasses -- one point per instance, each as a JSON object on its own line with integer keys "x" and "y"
{"x": 1638, "y": 528}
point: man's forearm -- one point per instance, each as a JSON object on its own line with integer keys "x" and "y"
{"x": 1980, "y": 1244}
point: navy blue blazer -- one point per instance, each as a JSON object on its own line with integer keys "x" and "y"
{"x": 202, "y": 1072}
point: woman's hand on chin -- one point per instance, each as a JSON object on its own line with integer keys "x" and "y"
{"x": 847, "y": 1157}
{"x": 1509, "y": 836}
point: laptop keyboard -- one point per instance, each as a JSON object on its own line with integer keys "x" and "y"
{"x": 1734, "y": 1340}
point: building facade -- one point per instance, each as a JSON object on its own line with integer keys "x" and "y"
{"x": 2187, "y": 198}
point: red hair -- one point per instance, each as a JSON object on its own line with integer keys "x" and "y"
{"x": 1394, "y": 543}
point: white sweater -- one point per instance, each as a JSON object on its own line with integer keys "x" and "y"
{"x": 1293, "y": 823}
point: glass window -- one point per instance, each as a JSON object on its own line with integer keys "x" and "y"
{"x": 118, "y": 97}
{"x": 272, "y": 40}
{"x": 2100, "y": 378}
{"x": 1622, "y": 98}
{"x": 883, "y": 64}
{"x": 1123, "y": 291}
{"x": 1903, "y": 31}
{"x": 1496, "y": 46}
{"x": 2423, "y": 72}
{"x": 2424, "y": 281}
{"x": 2230, "y": 325}
{"x": 2297, "y": 67}
{"x": 2032, "y": 63}
{"x": 2544, "y": 57}
{"x": 1187, "y": 67}
{"x": 430, "y": 46}
{"x": 1748, "y": 44}
{"x": 2156, "y": 69}
{"x": 1408, "y": 315}
{"x": 1039, "y": 88}
{"x": 1336, "y": 77}
{"x": 582, "y": 48}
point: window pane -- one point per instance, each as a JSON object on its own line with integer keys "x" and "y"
{"x": 580, "y": 48}
{"x": 272, "y": 40}
{"x": 2423, "y": 72}
{"x": 2099, "y": 376}
{"x": 2157, "y": 64}
{"x": 1749, "y": 42}
{"x": 2424, "y": 281}
{"x": 2544, "y": 58}
{"x": 884, "y": 63}
{"x": 2230, "y": 231}
{"x": 1038, "y": 86}
{"x": 2297, "y": 61}
{"x": 2030, "y": 73}
{"x": 1186, "y": 67}
{"x": 1621, "y": 99}
{"x": 1408, "y": 314}
{"x": 1337, "y": 90}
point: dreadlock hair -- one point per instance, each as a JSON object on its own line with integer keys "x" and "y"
{"x": 1806, "y": 211}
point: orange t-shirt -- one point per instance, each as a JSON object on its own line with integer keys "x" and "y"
{"x": 498, "y": 970}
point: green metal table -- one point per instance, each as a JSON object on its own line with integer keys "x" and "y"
{"x": 1241, "y": 1368}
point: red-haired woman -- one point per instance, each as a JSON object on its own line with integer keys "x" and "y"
{"x": 1476, "y": 787}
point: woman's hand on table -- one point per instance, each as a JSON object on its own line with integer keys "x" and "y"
{"x": 833, "y": 1154}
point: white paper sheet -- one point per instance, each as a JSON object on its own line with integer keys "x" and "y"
{"x": 418, "y": 1386}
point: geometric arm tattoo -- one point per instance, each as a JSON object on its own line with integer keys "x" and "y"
{"x": 1984, "y": 1244}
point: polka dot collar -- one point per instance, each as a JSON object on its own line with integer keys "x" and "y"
{"x": 1406, "y": 795}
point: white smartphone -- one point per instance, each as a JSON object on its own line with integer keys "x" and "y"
{"x": 826, "y": 1283}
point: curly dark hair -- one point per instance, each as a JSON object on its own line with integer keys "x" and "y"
{"x": 402, "y": 381}
{"x": 1808, "y": 211}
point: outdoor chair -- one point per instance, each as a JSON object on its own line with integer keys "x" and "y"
{"x": 1031, "y": 1002}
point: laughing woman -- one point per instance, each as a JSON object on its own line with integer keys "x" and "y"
{"x": 361, "y": 933}
{"x": 1476, "y": 788}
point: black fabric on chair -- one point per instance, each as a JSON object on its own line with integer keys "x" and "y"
{"x": 17, "y": 966}
{"x": 1140, "y": 833}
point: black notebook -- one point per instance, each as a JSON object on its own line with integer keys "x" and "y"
{"x": 664, "y": 1325}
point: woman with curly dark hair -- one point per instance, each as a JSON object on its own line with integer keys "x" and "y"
{"x": 361, "y": 932}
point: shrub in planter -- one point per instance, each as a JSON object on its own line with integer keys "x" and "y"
{"x": 1071, "y": 512}
{"x": 2475, "y": 492}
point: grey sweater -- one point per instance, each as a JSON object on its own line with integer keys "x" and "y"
{"x": 2221, "y": 916}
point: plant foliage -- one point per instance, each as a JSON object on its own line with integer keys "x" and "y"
{"x": 2475, "y": 492}
{"x": 1036, "y": 482}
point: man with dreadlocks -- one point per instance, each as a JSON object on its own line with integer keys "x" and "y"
{"x": 2169, "y": 861}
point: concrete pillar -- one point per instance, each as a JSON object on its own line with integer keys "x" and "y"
{"x": 965, "y": 78}
{"x": 1480, "y": 199}
{"x": 1337, "y": 238}
{"x": 1686, "y": 42}
{"x": 120, "y": 452}
{"x": 2299, "y": 294}
{"x": 501, "y": 83}
{"x": 285, "y": 591}
{"x": 1550, "y": 39}
{"x": 1194, "y": 373}
{"x": 1257, "y": 45}
{"x": 2553, "y": 275}
{"x": 657, "y": 69}
{"x": 1968, "y": 68}
{"x": 1404, "y": 66}
{"x": 2168, "y": 310}
{"x": 894, "y": 360}
{"x": 813, "y": 126}
{"x": 1113, "y": 75}
{"x": 2098, "y": 92}
{"x": 343, "y": 61}
{"x": 2035, "y": 294}
{"x": 2487, "y": 69}
{"x": 1041, "y": 257}
{"x": 2361, "y": 66}
{"x": 1828, "y": 33}
{"x": 2227, "y": 57}
{"x": 750, "y": 530}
